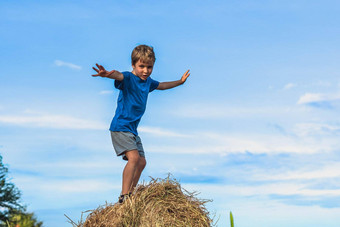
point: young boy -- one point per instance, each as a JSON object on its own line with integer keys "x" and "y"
{"x": 134, "y": 90}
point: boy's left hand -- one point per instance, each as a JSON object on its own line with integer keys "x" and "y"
{"x": 185, "y": 76}
{"x": 172, "y": 84}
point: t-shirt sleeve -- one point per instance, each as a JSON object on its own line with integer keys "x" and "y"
{"x": 120, "y": 84}
{"x": 153, "y": 85}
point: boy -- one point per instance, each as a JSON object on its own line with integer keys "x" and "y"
{"x": 134, "y": 89}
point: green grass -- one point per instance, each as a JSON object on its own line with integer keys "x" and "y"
{"x": 231, "y": 219}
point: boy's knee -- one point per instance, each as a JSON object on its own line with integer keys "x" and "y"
{"x": 142, "y": 162}
{"x": 132, "y": 156}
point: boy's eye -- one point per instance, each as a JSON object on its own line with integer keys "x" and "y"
{"x": 145, "y": 66}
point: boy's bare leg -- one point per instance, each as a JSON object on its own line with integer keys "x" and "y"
{"x": 138, "y": 172}
{"x": 130, "y": 170}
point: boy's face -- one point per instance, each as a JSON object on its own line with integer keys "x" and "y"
{"x": 142, "y": 69}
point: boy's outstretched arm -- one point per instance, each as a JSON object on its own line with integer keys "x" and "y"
{"x": 172, "y": 84}
{"x": 102, "y": 72}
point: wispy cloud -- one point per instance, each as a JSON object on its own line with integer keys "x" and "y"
{"x": 282, "y": 188}
{"x": 318, "y": 129}
{"x": 329, "y": 171}
{"x": 68, "y": 185}
{"x": 289, "y": 86}
{"x": 310, "y": 98}
{"x": 212, "y": 111}
{"x": 67, "y": 64}
{"x": 224, "y": 144}
{"x": 161, "y": 132}
{"x": 51, "y": 121}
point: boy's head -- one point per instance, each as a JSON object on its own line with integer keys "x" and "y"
{"x": 142, "y": 59}
{"x": 143, "y": 53}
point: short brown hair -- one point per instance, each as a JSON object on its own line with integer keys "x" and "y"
{"x": 144, "y": 53}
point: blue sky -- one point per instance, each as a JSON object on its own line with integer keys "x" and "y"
{"x": 255, "y": 128}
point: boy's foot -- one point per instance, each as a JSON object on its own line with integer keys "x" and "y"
{"x": 123, "y": 197}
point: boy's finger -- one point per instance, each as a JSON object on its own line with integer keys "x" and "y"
{"x": 95, "y": 69}
{"x": 100, "y": 67}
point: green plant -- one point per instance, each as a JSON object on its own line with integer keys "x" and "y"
{"x": 23, "y": 219}
{"x": 231, "y": 219}
{"x": 12, "y": 213}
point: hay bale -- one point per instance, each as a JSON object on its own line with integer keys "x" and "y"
{"x": 162, "y": 202}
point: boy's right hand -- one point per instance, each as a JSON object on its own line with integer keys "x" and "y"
{"x": 102, "y": 72}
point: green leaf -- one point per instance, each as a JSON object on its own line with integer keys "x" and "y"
{"x": 231, "y": 219}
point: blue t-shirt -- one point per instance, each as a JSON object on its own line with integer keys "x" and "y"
{"x": 131, "y": 102}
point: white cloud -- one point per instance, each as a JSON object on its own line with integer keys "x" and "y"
{"x": 283, "y": 188}
{"x": 223, "y": 144}
{"x": 67, "y": 186}
{"x": 318, "y": 97}
{"x": 307, "y": 129}
{"x": 161, "y": 132}
{"x": 67, "y": 64}
{"x": 289, "y": 86}
{"x": 64, "y": 192}
{"x": 51, "y": 121}
{"x": 209, "y": 111}
{"x": 311, "y": 97}
{"x": 329, "y": 171}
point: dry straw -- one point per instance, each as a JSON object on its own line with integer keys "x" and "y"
{"x": 162, "y": 202}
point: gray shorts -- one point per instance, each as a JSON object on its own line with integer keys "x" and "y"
{"x": 126, "y": 141}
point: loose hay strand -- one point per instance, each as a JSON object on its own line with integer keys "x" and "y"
{"x": 161, "y": 202}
